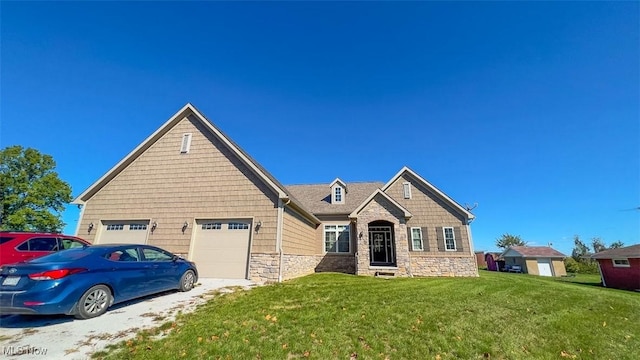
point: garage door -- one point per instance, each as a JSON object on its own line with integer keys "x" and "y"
{"x": 544, "y": 267}
{"x": 221, "y": 248}
{"x": 123, "y": 232}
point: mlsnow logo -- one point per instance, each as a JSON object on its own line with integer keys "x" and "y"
{"x": 23, "y": 350}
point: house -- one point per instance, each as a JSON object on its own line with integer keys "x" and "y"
{"x": 190, "y": 189}
{"x": 535, "y": 260}
{"x": 620, "y": 268}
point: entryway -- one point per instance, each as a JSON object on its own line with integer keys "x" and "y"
{"x": 381, "y": 244}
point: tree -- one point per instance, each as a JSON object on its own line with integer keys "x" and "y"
{"x": 33, "y": 196}
{"x": 580, "y": 249}
{"x": 598, "y": 245}
{"x": 507, "y": 240}
{"x": 616, "y": 245}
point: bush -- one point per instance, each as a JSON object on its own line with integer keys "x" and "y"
{"x": 581, "y": 267}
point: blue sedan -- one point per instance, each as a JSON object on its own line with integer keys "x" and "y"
{"x": 85, "y": 282}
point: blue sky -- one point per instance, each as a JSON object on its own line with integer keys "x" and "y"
{"x": 530, "y": 109}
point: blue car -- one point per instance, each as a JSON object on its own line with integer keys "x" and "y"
{"x": 86, "y": 281}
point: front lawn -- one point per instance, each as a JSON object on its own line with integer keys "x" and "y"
{"x": 336, "y": 316}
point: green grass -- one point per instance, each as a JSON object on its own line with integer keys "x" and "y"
{"x": 335, "y": 316}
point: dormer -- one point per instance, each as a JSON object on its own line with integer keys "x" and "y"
{"x": 338, "y": 191}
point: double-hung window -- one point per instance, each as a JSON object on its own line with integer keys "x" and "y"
{"x": 416, "y": 239}
{"x": 336, "y": 239}
{"x": 449, "y": 239}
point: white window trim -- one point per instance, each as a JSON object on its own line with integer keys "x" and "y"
{"x": 185, "y": 145}
{"x": 324, "y": 239}
{"x": 421, "y": 240}
{"x": 444, "y": 238}
{"x": 406, "y": 190}
{"x": 334, "y": 199}
{"x": 613, "y": 261}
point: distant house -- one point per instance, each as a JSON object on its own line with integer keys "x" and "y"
{"x": 620, "y": 268}
{"x": 536, "y": 260}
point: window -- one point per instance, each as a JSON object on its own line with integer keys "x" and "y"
{"x": 336, "y": 239}
{"x": 620, "y": 262}
{"x": 416, "y": 239}
{"x": 112, "y": 227}
{"x": 130, "y": 254}
{"x": 212, "y": 226}
{"x": 186, "y": 143}
{"x": 238, "y": 226}
{"x": 40, "y": 244}
{"x": 70, "y": 244}
{"x": 406, "y": 190}
{"x": 449, "y": 239}
{"x": 138, "y": 227}
{"x": 337, "y": 194}
{"x": 155, "y": 255}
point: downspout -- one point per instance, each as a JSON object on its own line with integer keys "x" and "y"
{"x": 471, "y": 248}
{"x": 279, "y": 236}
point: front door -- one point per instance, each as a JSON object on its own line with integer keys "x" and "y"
{"x": 381, "y": 246}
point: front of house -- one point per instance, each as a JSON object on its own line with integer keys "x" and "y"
{"x": 190, "y": 189}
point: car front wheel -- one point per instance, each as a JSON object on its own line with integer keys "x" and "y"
{"x": 187, "y": 281}
{"x": 94, "y": 302}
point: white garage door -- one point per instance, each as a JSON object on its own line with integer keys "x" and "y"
{"x": 544, "y": 267}
{"x": 123, "y": 232}
{"x": 221, "y": 248}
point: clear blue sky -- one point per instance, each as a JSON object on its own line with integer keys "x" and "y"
{"x": 530, "y": 109}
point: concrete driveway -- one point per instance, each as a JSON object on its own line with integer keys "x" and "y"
{"x": 57, "y": 337}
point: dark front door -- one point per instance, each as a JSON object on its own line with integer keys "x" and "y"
{"x": 381, "y": 246}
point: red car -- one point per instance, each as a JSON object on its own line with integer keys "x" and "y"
{"x": 20, "y": 246}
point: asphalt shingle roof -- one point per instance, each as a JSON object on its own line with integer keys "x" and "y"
{"x": 632, "y": 251}
{"x": 317, "y": 197}
{"x": 537, "y": 251}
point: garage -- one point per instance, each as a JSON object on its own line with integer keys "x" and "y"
{"x": 544, "y": 267}
{"x": 221, "y": 248}
{"x": 123, "y": 232}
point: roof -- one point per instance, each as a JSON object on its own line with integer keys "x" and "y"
{"x": 532, "y": 251}
{"x": 632, "y": 251}
{"x": 190, "y": 110}
{"x": 317, "y": 197}
{"x": 433, "y": 189}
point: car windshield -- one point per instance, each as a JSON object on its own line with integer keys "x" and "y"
{"x": 65, "y": 255}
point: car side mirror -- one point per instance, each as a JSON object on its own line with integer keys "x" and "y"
{"x": 175, "y": 258}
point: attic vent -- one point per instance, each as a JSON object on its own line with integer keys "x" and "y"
{"x": 186, "y": 143}
{"x": 406, "y": 189}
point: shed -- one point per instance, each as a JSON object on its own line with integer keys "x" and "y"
{"x": 620, "y": 268}
{"x": 536, "y": 260}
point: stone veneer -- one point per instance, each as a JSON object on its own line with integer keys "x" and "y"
{"x": 264, "y": 267}
{"x": 444, "y": 266}
{"x": 381, "y": 209}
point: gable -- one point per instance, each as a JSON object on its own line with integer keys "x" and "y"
{"x": 416, "y": 181}
{"x": 189, "y": 121}
{"x": 386, "y": 202}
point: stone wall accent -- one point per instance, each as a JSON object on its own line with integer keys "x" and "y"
{"x": 444, "y": 266}
{"x": 263, "y": 268}
{"x": 299, "y": 265}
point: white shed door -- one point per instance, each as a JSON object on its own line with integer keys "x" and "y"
{"x": 123, "y": 232}
{"x": 544, "y": 267}
{"x": 221, "y": 248}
